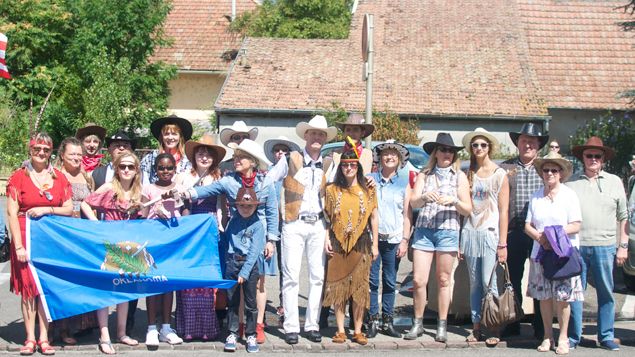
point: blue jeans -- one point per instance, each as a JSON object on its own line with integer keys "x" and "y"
{"x": 480, "y": 270}
{"x": 387, "y": 258}
{"x": 598, "y": 260}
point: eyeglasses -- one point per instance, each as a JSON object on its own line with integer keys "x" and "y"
{"x": 553, "y": 171}
{"x": 165, "y": 168}
{"x": 482, "y": 145}
{"x": 37, "y": 149}
{"x": 239, "y": 137}
{"x": 593, "y": 156}
{"x": 351, "y": 165}
{"x": 554, "y": 146}
{"x": 120, "y": 145}
{"x": 445, "y": 150}
{"x": 130, "y": 167}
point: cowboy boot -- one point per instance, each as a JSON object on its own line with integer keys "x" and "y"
{"x": 442, "y": 331}
{"x": 373, "y": 326}
{"x": 388, "y": 327}
{"x": 416, "y": 330}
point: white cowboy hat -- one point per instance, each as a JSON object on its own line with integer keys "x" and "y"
{"x": 404, "y": 154}
{"x": 280, "y": 140}
{"x": 237, "y": 127}
{"x": 254, "y": 150}
{"x": 318, "y": 122}
{"x": 467, "y": 139}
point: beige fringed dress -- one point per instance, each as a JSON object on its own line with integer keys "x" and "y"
{"x": 348, "y": 270}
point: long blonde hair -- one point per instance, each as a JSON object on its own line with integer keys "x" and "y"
{"x": 432, "y": 162}
{"x": 177, "y": 129}
{"x": 135, "y": 187}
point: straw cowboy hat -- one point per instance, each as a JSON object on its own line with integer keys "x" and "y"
{"x": 318, "y": 122}
{"x": 529, "y": 129}
{"x": 404, "y": 154}
{"x": 91, "y": 129}
{"x": 443, "y": 139}
{"x": 254, "y": 150}
{"x": 238, "y": 127}
{"x": 356, "y": 119}
{"x": 120, "y": 136}
{"x": 593, "y": 143}
{"x": 183, "y": 124}
{"x": 467, "y": 139}
{"x": 555, "y": 158}
{"x": 208, "y": 141}
{"x": 280, "y": 140}
{"x": 246, "y": 196}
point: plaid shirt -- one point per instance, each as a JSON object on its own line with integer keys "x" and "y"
{"x": 523, "y": 182}
{"x": 436, "y": 216}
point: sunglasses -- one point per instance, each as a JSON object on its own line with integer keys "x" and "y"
{"x": 445, "y": 150}
{"x": 37, "y": 149}
{"x": 280, "y": 148}
{"x": 165, "y": 168}
{"x": 554, "y": 146}
{"x": 130, "y": 167}
{"x": 239, "y": 137}
{"x": 352, "y": 165}
{"x": 481, "y": 145}
{"x": 553, "y": 171}
{"x": 593, "y": 156}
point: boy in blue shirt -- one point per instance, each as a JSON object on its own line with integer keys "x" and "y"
{"x": 244, "y": 238}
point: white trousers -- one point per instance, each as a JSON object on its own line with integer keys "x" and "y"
{"x": 302, "y": 239}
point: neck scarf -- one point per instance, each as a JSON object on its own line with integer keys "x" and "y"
{"x": 90, "y": 163}
{"x": 248, "y": 182}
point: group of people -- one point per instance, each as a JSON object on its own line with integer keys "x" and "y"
{"x": 278, "y": 203}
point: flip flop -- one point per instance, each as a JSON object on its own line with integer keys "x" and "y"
{"x": 108, "y": 344}
{"x": 474, "y": 336}
{"x": 127, "y": 340}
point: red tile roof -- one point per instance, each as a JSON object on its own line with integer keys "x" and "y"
{"x": 582, "y": 58}
{"x": 199, "y": 31}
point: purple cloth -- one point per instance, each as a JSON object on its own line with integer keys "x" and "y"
{"x": 559, "y": 241}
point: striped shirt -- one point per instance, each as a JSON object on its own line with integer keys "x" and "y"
{"x": 523, "y": 182}
{"x": 433, "y": 215}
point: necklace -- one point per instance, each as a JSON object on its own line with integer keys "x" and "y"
{"x": 42, "y": 188}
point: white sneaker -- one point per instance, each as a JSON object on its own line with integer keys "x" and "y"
{"x": 152, "y": 338}
{"x": 169, "y": 335}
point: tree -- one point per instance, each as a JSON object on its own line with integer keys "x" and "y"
{"x": 297, "y": 19}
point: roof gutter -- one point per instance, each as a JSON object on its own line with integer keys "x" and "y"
{"x": 199, "y": 71}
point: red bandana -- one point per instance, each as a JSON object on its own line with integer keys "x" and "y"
{"x": 89, "y": 163}
{"x": 248, "y": 182}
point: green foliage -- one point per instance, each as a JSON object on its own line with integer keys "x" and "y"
{"x": 616, "y": 132}
{"x": 94, "y": 53}
{"x": 297, "y": 19}
{"x": 126, "y": 262}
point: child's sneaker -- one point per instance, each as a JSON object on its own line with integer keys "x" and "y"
{"x": 152, "y": 338}
{"x": 252, "y": 344}
{"x": 230, "y": 343}
{"x": 169, "y": 335}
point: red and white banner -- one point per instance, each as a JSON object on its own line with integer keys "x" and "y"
{"x": 4, "y": 71}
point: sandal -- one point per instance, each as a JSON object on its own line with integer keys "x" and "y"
{"x": 127, "y": 340}
{"x": 107, "y": 344}
{"x": 46, "y": 348}
{"x": 492, "y": 341}
{"x": 475, "y": 336}
{"x": 546, "y": 345}
{"x": 28, "y": 348}
{"x": 340, "y": 337}
{"x": 563, "y": 347}
{"x": 360, "y": 338}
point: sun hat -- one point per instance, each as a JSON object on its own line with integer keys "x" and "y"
{"x": 254, "y": 150}
{"x": 593, "y": 142}
{"x": 246, "y": 196}
{"x": 280, "y": 140}
{"x": 318, "y": 122}
{"x": 238, "y": 127}
{"x": 467, "y": 139}
{"x": 91, "y": 129}
{"x": 555, "y": 158}
{"x": 209, "y": 141}
{"x": 120, "y": 135}
{"x": 183, "y": 124}
{"x": 356, "y": 119}
{"x": 444, "y": 139}
{"x": 404, "y": 154}
{"x": 529, "y": 129}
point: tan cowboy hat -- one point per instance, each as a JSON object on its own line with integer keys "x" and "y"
{"x": 91, "y": 129}
{"x": 183, "y": 124}
{"x": 238, "y": 127}
{"x": 254, "y": 150}
{"x": 318, "y": 122}
{"x": 356, "y": 119}
{"x": 555, "y": 158}
{"x": 207, "y": 140}
{"x": 593, "y": 143}
{"x": 281, "y": 140}
{"x": 467, "y": 139}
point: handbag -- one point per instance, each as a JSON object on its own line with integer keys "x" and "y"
{"x": 563, "y": 261}
{"x": 499, "y": 311}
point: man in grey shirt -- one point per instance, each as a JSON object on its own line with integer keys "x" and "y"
{"x": 603, "y": 204}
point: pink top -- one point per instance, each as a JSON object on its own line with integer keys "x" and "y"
{"x": 152, "y": 191}
{"x": 112, "y": 208}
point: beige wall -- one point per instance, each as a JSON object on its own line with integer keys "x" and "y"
{"x": 192, "y": 96}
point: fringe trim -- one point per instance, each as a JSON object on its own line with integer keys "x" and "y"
{"x": 356, "y": 286}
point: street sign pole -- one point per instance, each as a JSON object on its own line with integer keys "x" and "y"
{"x": 368, "y": 54}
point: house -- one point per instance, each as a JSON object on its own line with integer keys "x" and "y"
{"x": 452, "y": 66}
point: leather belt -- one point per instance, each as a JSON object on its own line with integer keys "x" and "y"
{"x": 311, "y": 218}
{"x": 383, "y": 237}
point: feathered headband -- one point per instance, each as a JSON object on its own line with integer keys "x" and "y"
{"x": 351, "y": 145}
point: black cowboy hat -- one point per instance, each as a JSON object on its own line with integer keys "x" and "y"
{"x": 120, "y": 135}
{"x": 183, "y": 124}
{"x": 444, "y": 139}
{"x": 530, "y": 129}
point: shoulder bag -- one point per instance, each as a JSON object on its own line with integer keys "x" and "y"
{"x": 499, "y": 311}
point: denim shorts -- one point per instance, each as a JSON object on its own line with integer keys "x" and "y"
{"x": 441, "y": 240}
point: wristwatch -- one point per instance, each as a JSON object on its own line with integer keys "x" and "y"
{"x": 623, "y": 245}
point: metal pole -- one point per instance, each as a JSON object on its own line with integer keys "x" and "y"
{"x": 369, "y": 79}
{"x": 233, "y": 10}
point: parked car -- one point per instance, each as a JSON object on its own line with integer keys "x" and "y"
{"x": 418, "y": 157}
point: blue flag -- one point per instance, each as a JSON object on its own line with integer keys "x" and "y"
{"x": 81, "y": 265}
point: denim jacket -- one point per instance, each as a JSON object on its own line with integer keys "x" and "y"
{"x": 390, "y": 198}
{"x": 229, "y": 185}
{"x": 245, "y": 237}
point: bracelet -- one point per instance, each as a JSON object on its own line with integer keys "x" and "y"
{"x": 405, "y": 239}
{"x": 52, "y": 211}
{"x": 501, "y": 246}
{"x": 18, "y": 248}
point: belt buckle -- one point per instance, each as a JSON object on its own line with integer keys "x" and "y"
{"x": 309, "y": 218}
{"x": 383, "y": 237}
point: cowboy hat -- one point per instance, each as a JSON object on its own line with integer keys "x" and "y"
{"x": 356, "y": 119}
{"x": 183, "y": 124}
{"x": 318, "y": 122}
{"x": 208, "y": 141}
{"x": 246, "y": 196}
{"x": 529, "y": 129}
{"x": 404, "y": 154}
{"x": 91, "y": 129}
{"x": 254, "y": 150}
{"x": 444, "y": 139}
{"x": 120, "y": 135}
{"x": 555, "y": 158}
{"x": 237, "y": 127}
{"x": 467, "y": 139}
{"x": 280, "y": 140}
{"x": 593, "y": 143}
